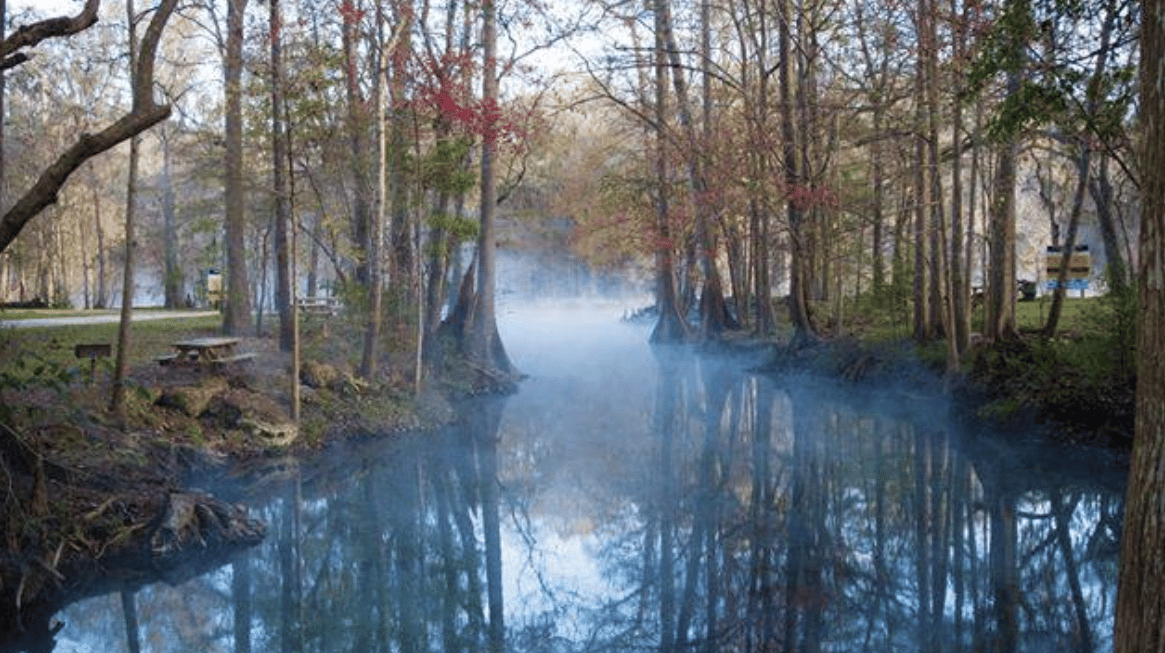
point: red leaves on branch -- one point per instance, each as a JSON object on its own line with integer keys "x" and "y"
{"x": 484, "y": 119}
{"x": 809, "y": 197}
{"x": 350, "y": 13}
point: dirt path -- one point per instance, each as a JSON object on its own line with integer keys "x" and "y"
{"x": 100, "y": 318}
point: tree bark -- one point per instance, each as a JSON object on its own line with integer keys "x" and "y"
{"x": 357, "y": 137}
{"x": 237, "y": 318}
{"x": 804, "y": 332}
{"x": 279, "y": 186}
{"x": 1140, "y": 609}
{"x": 1000, "y": 318}
{"x": 173, "y": 281}
{"x": 373, "y": 271}
{"x": 1101, "y": 191}
{"x": 143, "y": 111}
{"x": 485, "y": 344}
{"x": 671, "y": 327}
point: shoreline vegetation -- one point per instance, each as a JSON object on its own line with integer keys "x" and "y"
{"x": 91, "y": 508}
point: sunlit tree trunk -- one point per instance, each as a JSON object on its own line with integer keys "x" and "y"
{"x": 374, "y": 274}
{"x": 237, "y": 318}
{"x": 121, "y": 365}
{"x": 485, "y": 345}
{"x": 714, "y": 316}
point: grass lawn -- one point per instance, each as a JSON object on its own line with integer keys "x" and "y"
{"x": 54, "y": 345}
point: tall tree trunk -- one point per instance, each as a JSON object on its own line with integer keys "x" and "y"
{"x": 373, "y": 271}
{"x": 402, "y": 241}
{"x": 960, "y": 336}
{"x": 279, "y": 187}
{"x": 357, "y": 119}
{"x": 923, "y": 279}
{"x": 121, "y": 365}
{"x": 1102, "y": 197}
{"x": 1000, "y": 322}
{"x": 800, "y": 259}
{"x": 101, "y": 292}
{"x": 714, "y": 315}
{"x": 237, "y": 318}
{"x": 1083, "y": 169}
{"x": 485, "y": 343}
{"x": 172, "y": 276}
{"x": 878, "y": 210}
{"x": 671, "y": 326}
{"x": 1083, "y": 166}
{"x": 1140, "y": 609}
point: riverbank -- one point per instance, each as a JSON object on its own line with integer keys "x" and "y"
{"x": 93, "y": 506}
{"x": 1021, "y": 384}
{"x": 1021, "y": 405}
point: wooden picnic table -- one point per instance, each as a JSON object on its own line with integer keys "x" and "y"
{"x": 213, "y": 351}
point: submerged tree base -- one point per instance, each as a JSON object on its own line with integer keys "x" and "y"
{"x": 75, "y": 533}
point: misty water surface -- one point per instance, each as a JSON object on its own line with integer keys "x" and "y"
{"x": 656, "y": 499}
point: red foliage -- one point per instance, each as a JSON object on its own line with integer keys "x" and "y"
{"x": 486, "y": 120}
{"x": 350, "y": 13}
{"x": 806, "y": 197}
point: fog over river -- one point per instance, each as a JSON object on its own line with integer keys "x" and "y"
{"x": 635, "y": 498}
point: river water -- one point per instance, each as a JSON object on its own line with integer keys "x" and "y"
{"x": 632, "y": 498}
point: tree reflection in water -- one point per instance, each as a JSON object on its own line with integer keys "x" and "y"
{"x": 702, "y": 509}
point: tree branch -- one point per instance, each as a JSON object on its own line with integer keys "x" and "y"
{"x": 144, "y": 114}
{"x": 28, "y": 36}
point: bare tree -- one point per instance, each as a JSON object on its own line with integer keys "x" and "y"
{"x": 144, "y": 113}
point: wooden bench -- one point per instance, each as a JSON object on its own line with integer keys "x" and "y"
{"x": 324, "y": 306}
